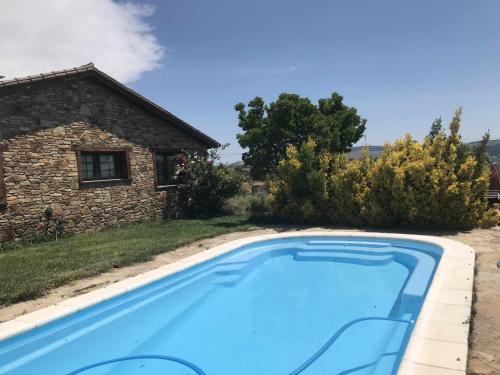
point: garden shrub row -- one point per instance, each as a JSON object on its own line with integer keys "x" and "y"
{"x": 436, "y": 184}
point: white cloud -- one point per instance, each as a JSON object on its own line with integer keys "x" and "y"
{"x": 38, "y": 36}
{"x": 273, "y": 72}
{"x": 287, "y": 71}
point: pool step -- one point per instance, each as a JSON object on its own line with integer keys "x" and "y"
{"x": 348, "y": 244}
{"x": 344, "y": 257}
{"x": 230, "y": 268}
{"x": 229, "y": 274}
{"x": 229, "y": 281}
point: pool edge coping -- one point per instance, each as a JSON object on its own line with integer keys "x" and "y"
{"x": 439, "y": 341}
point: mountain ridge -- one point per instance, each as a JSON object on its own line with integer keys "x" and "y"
{"x": 493, "y": 150}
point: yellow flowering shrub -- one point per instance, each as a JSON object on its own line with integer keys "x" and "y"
{"x": 300, "y": 190}
{"x": 437, "y": 184}
{"x": 346, "y": 190}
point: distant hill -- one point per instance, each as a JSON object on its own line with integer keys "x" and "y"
{"x": 493, "y": 149}
{"x": 357, "y": 152}
{"x": 237, "y": 164}
{"x": 374, "y": 151}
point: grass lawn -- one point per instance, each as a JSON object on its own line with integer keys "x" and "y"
{"x": 27, "y": 272}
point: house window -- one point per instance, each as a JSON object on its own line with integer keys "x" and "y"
{"x": 101, "y": 164}
{"x": 166, "y": 164}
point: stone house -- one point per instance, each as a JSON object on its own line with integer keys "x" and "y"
{"x": 87, "y": 146}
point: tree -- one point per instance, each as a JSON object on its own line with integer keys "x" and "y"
{"x": 436, "y": 129}
{"x": 291, "y": 120}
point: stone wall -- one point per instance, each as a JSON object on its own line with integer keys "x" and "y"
{"x": 41, "y": 123}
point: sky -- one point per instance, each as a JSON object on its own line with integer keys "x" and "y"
{"x": 401, "y": 63}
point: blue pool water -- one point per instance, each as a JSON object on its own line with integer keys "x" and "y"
{"x": 308, "y": 305}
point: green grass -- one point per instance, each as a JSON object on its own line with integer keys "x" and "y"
{"x": 29, "y": 271}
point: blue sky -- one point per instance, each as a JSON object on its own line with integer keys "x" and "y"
{"x": 401, "y": 63}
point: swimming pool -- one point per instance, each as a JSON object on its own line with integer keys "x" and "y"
{"x": 286, "y": 306}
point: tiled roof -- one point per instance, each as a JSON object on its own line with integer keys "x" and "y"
{"x": 113, "y": 84}
{"x": 42, "y": 76}
{"x": 495, "y": 177}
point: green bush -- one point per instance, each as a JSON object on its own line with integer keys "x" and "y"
{"x": 437, "y": 184}
{"x": 204, "y": 185}
{"x": 255, "y": 206}
{"x": 259, "y": 209}
{"x": 237, "y": 205}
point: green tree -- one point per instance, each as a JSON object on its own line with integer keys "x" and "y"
{"x": 436, "y": 129}
{"x": 291, "y": 120}
{"x": 481, "y": 154}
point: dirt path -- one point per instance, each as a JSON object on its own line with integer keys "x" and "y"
{"x": 484, "y": 354}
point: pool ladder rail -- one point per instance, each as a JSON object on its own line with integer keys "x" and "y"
{"x": 304, "y": 366}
